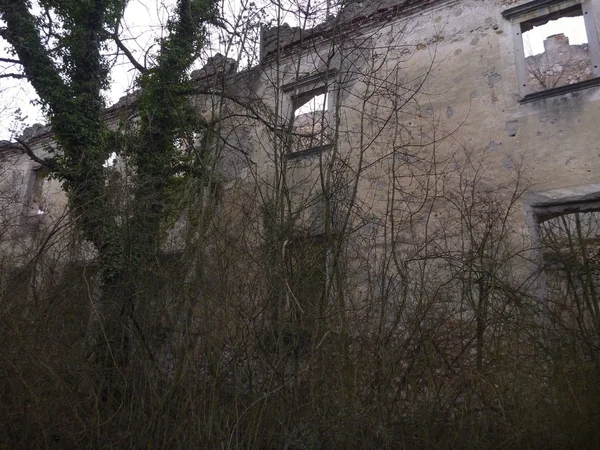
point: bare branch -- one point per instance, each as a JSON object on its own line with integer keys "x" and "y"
{"x": 31, "y": 154}
{"x": 17, "y": 76}
{"x": 129, "y": 55}
{"x": 10, "y": 61}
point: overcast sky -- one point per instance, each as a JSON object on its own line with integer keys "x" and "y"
{"x": 144, "y": 21}
{"x": 572, "y": 27}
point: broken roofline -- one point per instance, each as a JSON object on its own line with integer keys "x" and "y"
{"x": 526, "y": 8}
{"x": 401, "y": 9}
{"x": 202, "y": 77}
{"x": 39, "y": 132}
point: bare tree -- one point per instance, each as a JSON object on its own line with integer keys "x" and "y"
{"x": 323, "y": 264}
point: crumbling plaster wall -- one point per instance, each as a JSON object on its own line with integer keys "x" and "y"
{"x": 473, "y": 89}
{"x": 469, "y": 101}
{"x": 458, "y": 55}
{"x": 12, "y": 181}
{"x": 25, "y": 191}
{"x": 461, "y": 58}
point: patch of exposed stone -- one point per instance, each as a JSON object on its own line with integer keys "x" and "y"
{"x": 282, "y": 36}
{"x": 124, "y": 102}
{"x": 34, "y": 131}
{"x": 561, "y": 64}
{"x": 216, "y": 65}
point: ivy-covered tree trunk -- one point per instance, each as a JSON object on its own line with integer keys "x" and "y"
{"x": 69, "y": 83}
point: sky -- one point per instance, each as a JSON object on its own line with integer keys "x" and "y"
{"x": 572, "y": 27}
{"x": 141, "y": 17}
{"x": 316, "y": 103}
{"x": 144, "y": 21}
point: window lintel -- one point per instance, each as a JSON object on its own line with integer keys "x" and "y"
{"x": 300, "y": 154}
{"x": 536, "y": 6}
{"x": 557, "y": 202}
{"x": 310, "y": 82}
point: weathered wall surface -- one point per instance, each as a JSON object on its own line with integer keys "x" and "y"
{"x": 31, "y": 203}
{"x": 411, "y": 96}
{"x": 473, "y": 89}
{"x": 431, "y": 136}
{"x": 454, "y": 67}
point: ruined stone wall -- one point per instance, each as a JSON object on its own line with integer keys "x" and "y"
{"x": 32, "y": 204}
{"x": 418, "y": 86}
{"x": 432, "y": 102}
{"x": 461, "y": 56}
{"x": 560, "y": 64}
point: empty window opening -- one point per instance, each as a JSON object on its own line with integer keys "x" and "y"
{"x": 310, "y": 121}
{"x": 571, "y": 254}
{"x": 305, "y": 260}
{"x": 111, "y": 161}
{"x": 572, "y": 235}
{"x": 556, "y": 50}
{"x": 316, "y": 104}
{"x": 39, "y": 194}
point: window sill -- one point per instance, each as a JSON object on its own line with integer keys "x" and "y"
{"x": 566, "y": 89}
{"x": 308, "y": 152}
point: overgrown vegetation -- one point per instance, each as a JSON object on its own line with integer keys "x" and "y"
{"x": 380, "y": 296}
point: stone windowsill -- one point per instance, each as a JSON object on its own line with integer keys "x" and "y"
{"x": 566, "y": 89}
{"x": 308, "y": 152}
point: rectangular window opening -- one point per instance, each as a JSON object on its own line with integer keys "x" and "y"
{"x": 306, "y": 272}
{"x": 39, "y": 194}
{"x": 310, "y": 120}
{"x": 571, "y": 238}
{"x": 570, "y": 244}
{"x": 556, "y": 50}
